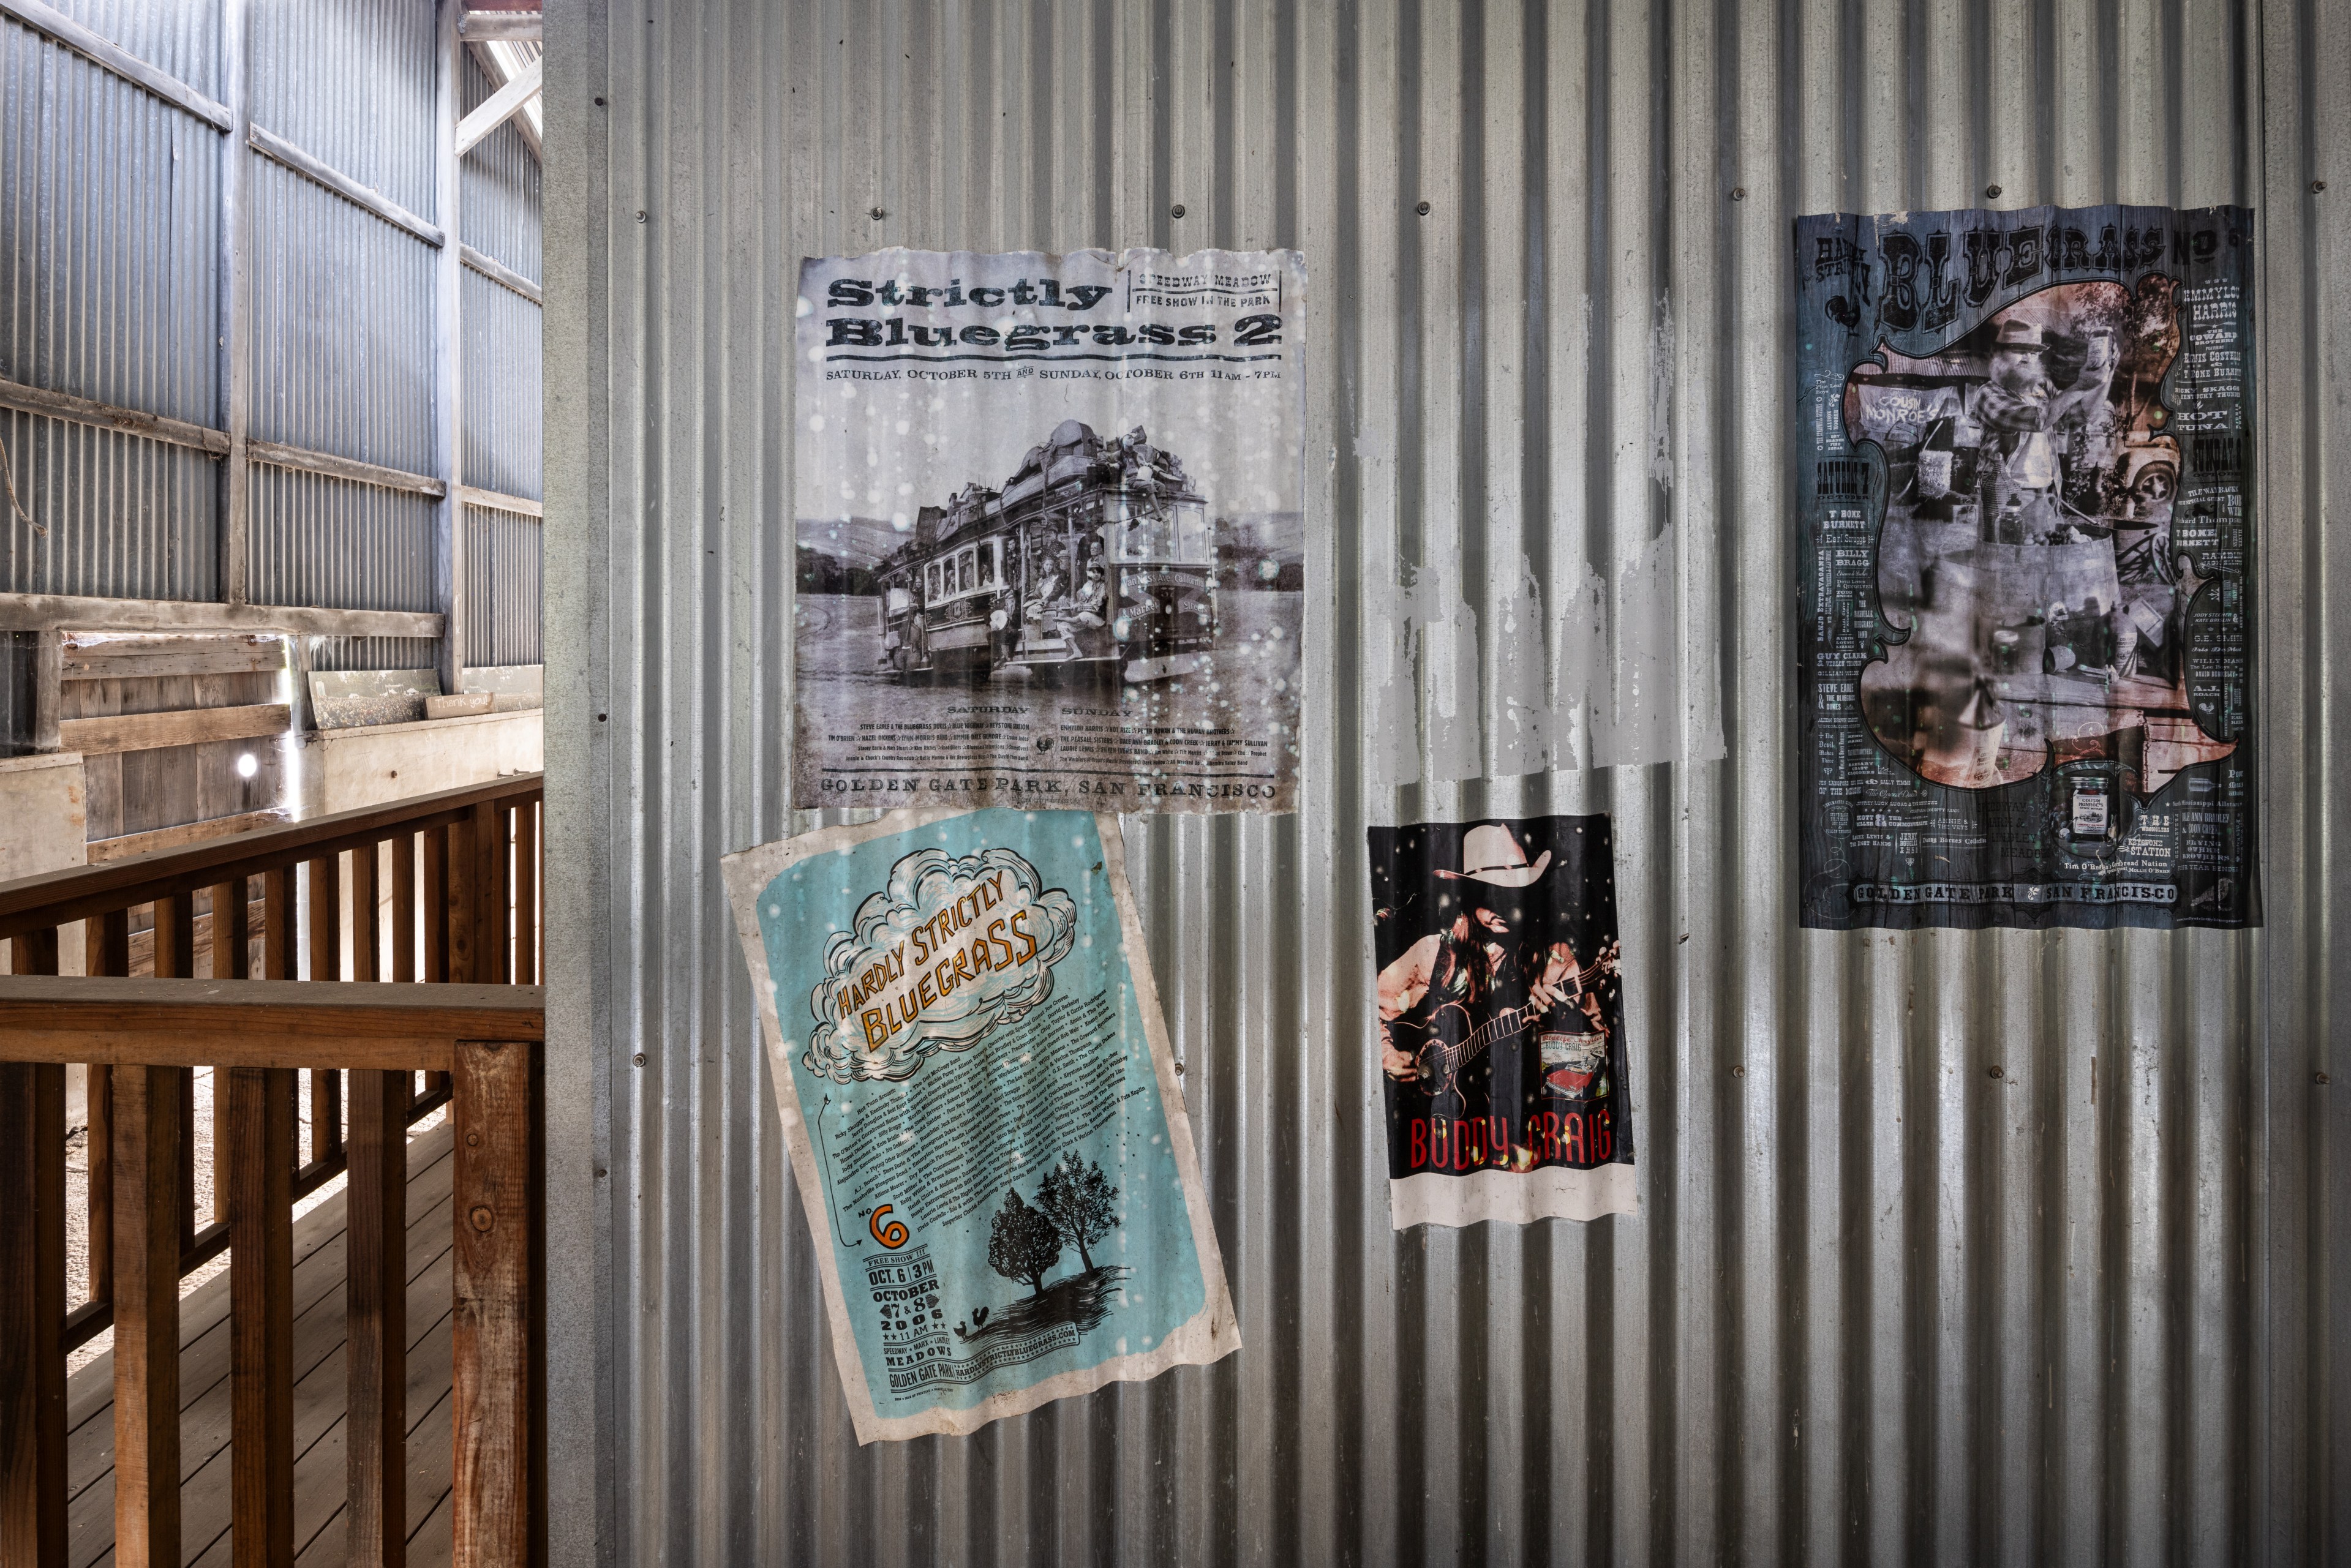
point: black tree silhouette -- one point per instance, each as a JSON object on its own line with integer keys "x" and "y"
{"x": 1077, "y": 1199}
{"x": 1023, "y": 1244}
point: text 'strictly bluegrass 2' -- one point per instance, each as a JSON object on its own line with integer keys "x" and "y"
{"x": 2024, "y": 482}
{"x": 1501, "y": 1037}
{"x": 1051, "y": 530}
{"x": 982, "y": 1112}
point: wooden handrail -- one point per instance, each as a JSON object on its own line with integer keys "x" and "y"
{"x": 256, "y": 1024}
{"x": 77, "y": 893}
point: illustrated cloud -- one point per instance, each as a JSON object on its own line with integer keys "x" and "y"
{"x": 952, "y": 946}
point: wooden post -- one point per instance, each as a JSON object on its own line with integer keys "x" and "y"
{"x": 448, "y": 354}
{"x": 233, "y": 285}
{"x": 495, "y": 1203}
{"x": 261, "y": 1307}
{"x": 464, "y": 884}
{"x": 377, "y": 1418}
{"x": 146, "y": 1318}
{"x": 32, "y": 1307}
{"x": 48, "y": 689}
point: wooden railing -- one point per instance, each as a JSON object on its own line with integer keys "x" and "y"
{"x": 462, "y": 869}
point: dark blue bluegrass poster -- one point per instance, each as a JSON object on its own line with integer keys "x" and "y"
{"x": 2025, "y": 508}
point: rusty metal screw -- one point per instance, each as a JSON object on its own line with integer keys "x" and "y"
{"x": 1997, "y": 1071}
{"x": 1737, "y": 192}
{"x": 640, "y": 1059}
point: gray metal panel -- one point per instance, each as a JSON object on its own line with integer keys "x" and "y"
{"x": 501, "y": 397}
{"x": 350, "y": 83}
{"x": 178, "y": 38}
{"x": 502, "y": 568}
{"x": 125, "y": 517}
{"x": 371, "y": 652}
{"x": 335, "y": 545}
{"x": 1878, "y": 1305}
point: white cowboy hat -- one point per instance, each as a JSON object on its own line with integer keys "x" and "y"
{"x": 1490, "y": 854}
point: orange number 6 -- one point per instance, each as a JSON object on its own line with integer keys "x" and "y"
{"x": 893, "y": 1235}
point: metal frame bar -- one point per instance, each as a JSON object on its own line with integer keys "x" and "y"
{"x": 499, "y": 273}
{"x": 271, "y": 145}
{"x": 234, "y": 285}
{"x": 110, "y": 56}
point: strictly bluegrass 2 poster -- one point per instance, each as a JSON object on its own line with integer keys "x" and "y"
{"x": 1051, "y": 530}
{"x": 982, "y": 1112}
{"x": 1500, "y": 1035}
{"x": 2024, "y": 481}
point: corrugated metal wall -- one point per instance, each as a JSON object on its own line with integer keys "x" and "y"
{"x": 1878, "y": 1305}
{"x": 108, "y": 250}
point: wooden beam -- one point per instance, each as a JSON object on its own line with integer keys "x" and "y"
{"x": 48, "y": 690}
{"x": 514, "y": 26}
{"x": 232, "y": 284}
{"x": 182, "y": 726}
{"x": 499, "y": 273}
{"x": 498, "y": 108}
{"x": 496, "y": 1208}
{"x": 50, "y": 404}
{"x": 80, "y": 613}
{"x": 146, "y": 1317}
{"x": 448, "y": 356}
{"x": 149, "y": 659}
{"x": 278, "y": 456}
{"x": 71, "y": 892}
{"x": 261, "y": 1329}
{"x": 376, "y": 1416}
{"x": 492, "y": 500}
{"x": 32, "y": 1314}
{"x": 113, "y": 57}
{"x": 103, "y": 849}
{"x": 271, "y": 145}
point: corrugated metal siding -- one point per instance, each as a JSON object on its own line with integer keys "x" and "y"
{"x": 1877, "y": 1306}
{"x": 499, "y": 187}
{"x": 502, "y": 573}
{"x": 372, "y": 652}
{"x": 109, "y": 245}
{"x": 338, "y": 545}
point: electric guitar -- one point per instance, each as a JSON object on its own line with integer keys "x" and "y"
{"x": 1440, "y": 1061}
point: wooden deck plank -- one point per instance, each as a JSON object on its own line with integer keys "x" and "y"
{"x": 320, "y": 1246}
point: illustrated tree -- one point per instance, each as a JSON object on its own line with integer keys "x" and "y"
{"x": 1023, "y": 1244}
{"x": 1077, "y": 1199}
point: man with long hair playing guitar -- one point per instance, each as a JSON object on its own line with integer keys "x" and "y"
{"x": 1475, "y": 991}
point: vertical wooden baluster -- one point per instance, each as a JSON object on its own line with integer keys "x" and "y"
{"x": 403, "y": 907}
{"x": 441, "y": 848}
{"x": 146, "y": 1318}
{"x": 502, "y": 885}
{"x": 106, "y": 951}
{"x": 538, "y": 885}
{"x": 175, "y": 959}
{"x": 280, "y": 953}
{"x": 33, "y": 1297}
{"x": 232, "y": 960}
{"x": 367, "y": 941}
{"x": 261, "y": 1309}
{"x": 491, "y": 1323}
{"x": 491, "y": 896}
{"x": 377, "y": 1420}
{"x": 326, "y": 965}
{"x": 465, "y": 876}
{"x": 525, "y": 895}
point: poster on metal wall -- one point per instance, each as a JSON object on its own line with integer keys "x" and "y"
{"x": 982, "y": 1112}
{"x": 1051, "y": 530}
{"x": 2024, "y": 484}
{"x": 1501, "y": 1037}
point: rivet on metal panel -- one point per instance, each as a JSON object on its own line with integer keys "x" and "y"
{"x": 639, "y": 1058}
{"x": 1176, "y": 211}
{"x": 1998, "y": 1071}
{"x": 2321, "y": 1077}
{"x": 877, "y": 215}
{"x": 2318, "y": 184}
{"x": 600, "y": 718}
{"x": 1738, "y": 1069}
{"x": 599, "y": 103}
{"x": 1422, "y": 209}
{"x": 640, "y": 215}
{"x": 1737, "y": 192}
{"x": 1991, "y": 192}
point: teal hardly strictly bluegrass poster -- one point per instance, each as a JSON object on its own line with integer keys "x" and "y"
{"x": 982, "y": 1111}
